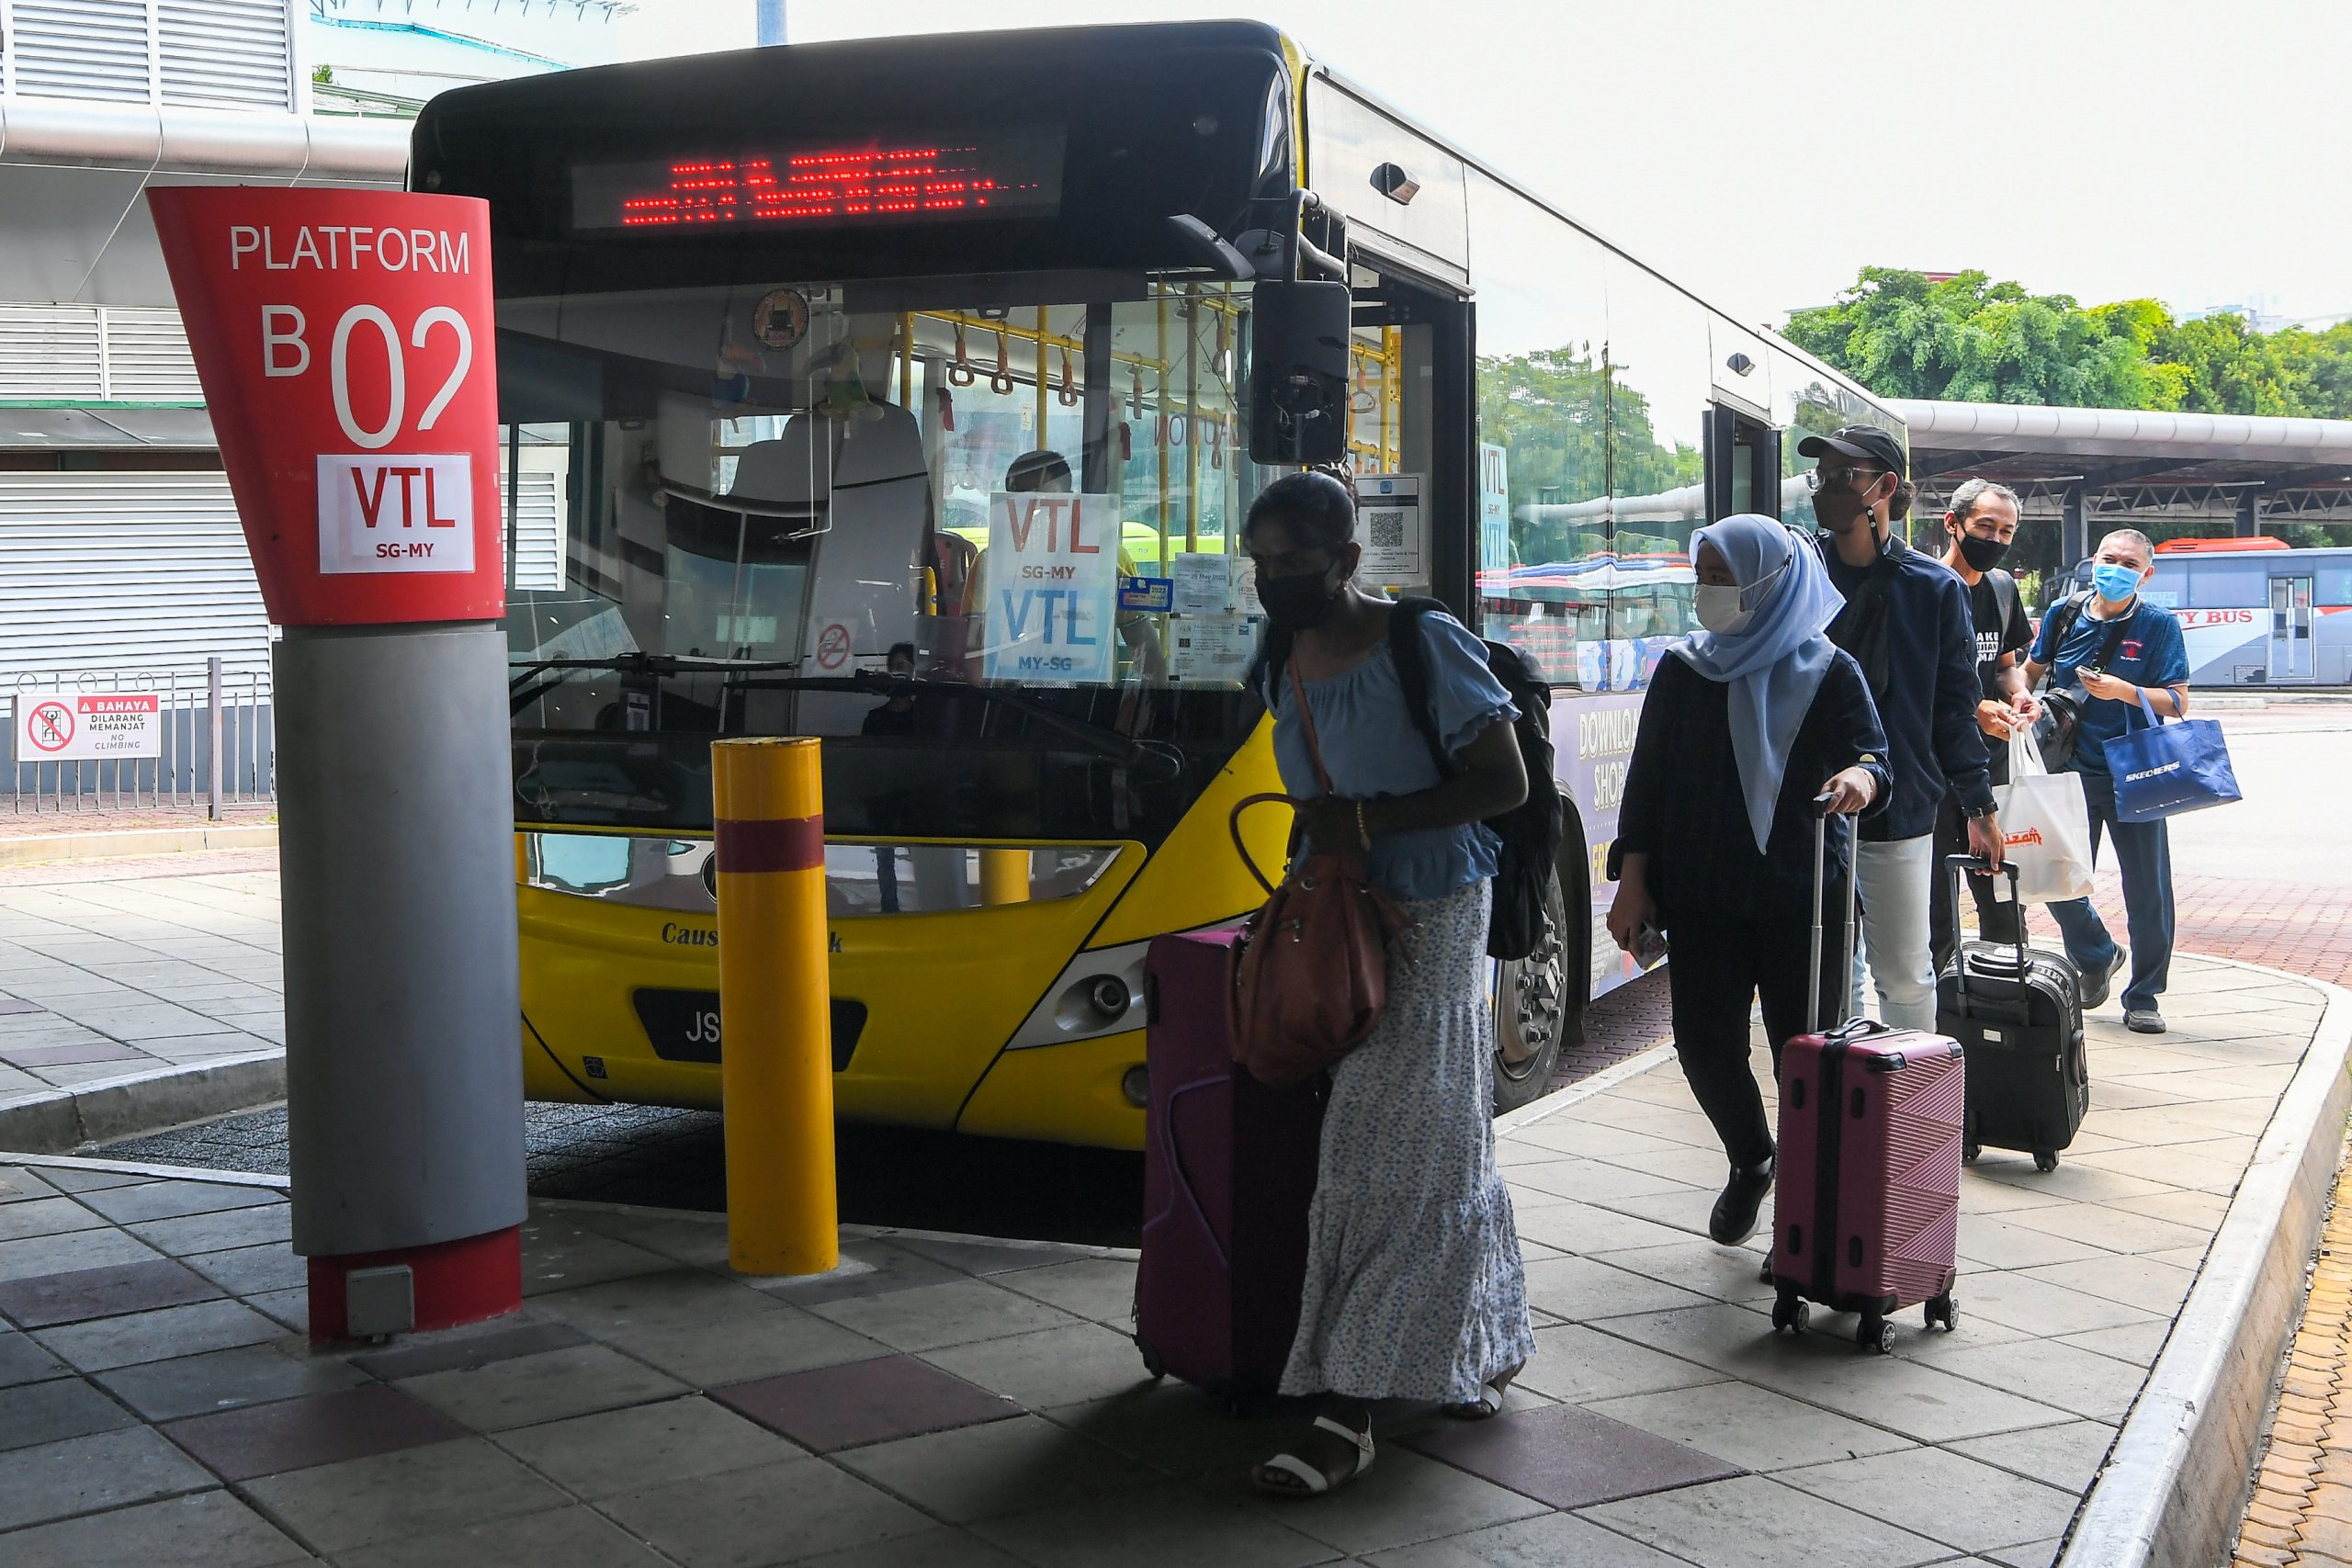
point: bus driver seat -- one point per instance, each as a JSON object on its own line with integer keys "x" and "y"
{"x": 869, "y": 497}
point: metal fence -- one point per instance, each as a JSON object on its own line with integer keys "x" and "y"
{"x": 218, "y": 743}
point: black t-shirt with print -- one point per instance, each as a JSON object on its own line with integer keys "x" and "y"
{"x": 1993, "y": 638}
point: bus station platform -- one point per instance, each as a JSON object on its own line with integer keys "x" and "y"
{"x": 957, "y": 1401}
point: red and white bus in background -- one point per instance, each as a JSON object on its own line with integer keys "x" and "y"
{"x": 2256, "y": 613}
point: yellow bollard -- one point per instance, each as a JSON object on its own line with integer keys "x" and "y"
{"x": 774, "y": 1007}
{"x": 1004, "y": 879}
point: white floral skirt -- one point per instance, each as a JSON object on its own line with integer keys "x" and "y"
{"x": 1414, "y": 1285}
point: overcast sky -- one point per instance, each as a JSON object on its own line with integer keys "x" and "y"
{"x": 2196, "y": 151}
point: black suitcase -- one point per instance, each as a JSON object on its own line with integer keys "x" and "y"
{"x": 2018, "y": 1012}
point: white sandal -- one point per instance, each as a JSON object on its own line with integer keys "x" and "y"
{"x": 1488, "y": 1403}
{"x": 1313, "y": 1482}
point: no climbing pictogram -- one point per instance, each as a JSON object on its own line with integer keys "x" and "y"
{"x": 50, "y": 726}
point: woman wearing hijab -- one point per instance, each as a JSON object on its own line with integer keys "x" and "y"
{"x": 1753, "y": 719}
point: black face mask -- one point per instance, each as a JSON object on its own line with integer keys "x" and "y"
{"x": 1298, "y": 603}
{"x": 1982, "y": 555}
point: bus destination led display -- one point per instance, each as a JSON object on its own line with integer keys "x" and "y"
{"x": 898, "y": 180}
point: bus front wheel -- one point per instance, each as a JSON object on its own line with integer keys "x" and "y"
{"x": 1536, "y": 1002}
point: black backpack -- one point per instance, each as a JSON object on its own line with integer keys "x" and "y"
{"x": 1531, "y": 830}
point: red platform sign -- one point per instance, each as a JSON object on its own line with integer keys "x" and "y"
{"x": 345, "y": 341}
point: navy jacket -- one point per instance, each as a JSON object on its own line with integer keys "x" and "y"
{"x": 1908, "y": 625}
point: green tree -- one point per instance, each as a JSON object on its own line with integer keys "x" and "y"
{"x": 1573, "y": 432}
{"x": 2319, "y": 368}
{"x": 1968, "y": 339}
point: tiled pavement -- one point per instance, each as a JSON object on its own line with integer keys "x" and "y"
{"x": 104, "y": 980}
{"x": 950, "y": 1402}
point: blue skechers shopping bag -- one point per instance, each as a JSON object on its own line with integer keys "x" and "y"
{"x": 2168, "y": 768}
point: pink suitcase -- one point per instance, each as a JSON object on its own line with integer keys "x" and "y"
{"x": 1228, "y": 1172}
{"x": 1866, "y": 1205}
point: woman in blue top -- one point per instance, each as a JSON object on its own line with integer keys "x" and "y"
{"x": 1414, "y": 1287}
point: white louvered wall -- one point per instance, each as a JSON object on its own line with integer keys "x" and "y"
{"x": 223, "y": 53}
{"x": 79, "y": 49}
{"x": 538, "y": 566}
{"x": 52, "y": 351}
{"x": 60, "y": 352}
{"x": 184, "y": 54}
{"x": 125, "y": 571}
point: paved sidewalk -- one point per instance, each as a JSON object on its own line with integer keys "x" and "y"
{"x": 105, "y": 980}
{"x": 947, "y": 1402}
{"x": 114, "y": 978}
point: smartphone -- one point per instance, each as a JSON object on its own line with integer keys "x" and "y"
{"x": 1649, "y": 944}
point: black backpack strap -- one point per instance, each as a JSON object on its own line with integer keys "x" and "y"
{"x": 1410, "y": 655}
{"x": 2005, "y": 596}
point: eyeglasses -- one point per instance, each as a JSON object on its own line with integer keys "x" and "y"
{"x": 1817, "y": 478}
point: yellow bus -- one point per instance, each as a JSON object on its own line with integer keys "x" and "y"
{"x": 788, "y": 339}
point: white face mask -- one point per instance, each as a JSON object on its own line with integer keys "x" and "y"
{"x": 1726, "y": 611}
{"x": 1719, "y": 610}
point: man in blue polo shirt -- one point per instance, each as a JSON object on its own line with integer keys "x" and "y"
{"x": 2111, "y": 646}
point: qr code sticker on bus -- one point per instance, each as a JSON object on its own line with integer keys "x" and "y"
{"x": 1386, "y": 530}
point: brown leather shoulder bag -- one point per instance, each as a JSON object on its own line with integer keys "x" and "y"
{"x": 1310, "y": 973}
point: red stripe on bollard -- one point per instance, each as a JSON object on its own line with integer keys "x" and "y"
{"x": 796, "y": 843}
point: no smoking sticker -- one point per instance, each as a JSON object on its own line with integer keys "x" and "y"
{"x": 833, "y": 646}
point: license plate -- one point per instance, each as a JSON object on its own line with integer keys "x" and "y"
{"x": 684, "y": 1025}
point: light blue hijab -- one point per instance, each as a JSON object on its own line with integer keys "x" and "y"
{"x": 1775, "y": 663}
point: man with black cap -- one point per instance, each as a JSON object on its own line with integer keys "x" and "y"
{"x": 1907, "y": 623}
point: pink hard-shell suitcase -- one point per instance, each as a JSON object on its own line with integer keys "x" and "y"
{"x": 1228, "y": 1172}
{"x": 1866, "y": 1205}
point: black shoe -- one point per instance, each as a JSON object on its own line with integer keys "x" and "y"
{"x": 2143, "y": 1020}
{"x": 1734, "y": 1219}
{"x": 2096, "y": 982}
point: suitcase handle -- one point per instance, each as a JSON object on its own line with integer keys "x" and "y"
{"x": 1821, "y": 815}
{"x": 1963, "y": 867}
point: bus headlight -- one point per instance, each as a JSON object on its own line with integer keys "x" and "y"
{"x": 1136, "y": 1084}
{"x": 1109, "y": 995}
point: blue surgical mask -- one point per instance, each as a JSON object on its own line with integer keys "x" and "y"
{"x": 2115, "y": 582}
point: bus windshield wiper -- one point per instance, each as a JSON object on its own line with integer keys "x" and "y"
{"x": 1093, "y": 734}
{"x": 636, "y": 661}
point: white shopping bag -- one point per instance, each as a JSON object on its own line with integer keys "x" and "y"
{"x": 2045, "y": 824}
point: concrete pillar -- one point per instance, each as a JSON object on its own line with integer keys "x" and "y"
{"x": 2073, "y": 546}
{"x": 396, "y": 853}
{"x": 2248, "y": 523}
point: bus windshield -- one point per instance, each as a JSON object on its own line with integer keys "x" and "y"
{"x": 976, "y": 538}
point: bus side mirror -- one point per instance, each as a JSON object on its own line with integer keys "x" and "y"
{"x": 1298, "y": 373}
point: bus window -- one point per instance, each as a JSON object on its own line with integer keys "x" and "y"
{"x": 1658, "y": 385}
{"x": 1544, "y": 565}
{"x": 901, "y": 520}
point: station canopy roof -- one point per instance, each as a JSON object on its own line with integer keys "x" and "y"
{"x": 2133, "y": 464}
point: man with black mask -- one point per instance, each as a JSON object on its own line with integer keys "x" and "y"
{"x": 1906, "y": 623}
{"x": 1981, "y": 523}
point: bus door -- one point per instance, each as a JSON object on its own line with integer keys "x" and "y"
{"x": 1743, "y": 464}
{"x": 2291, "y": 629}
{"x": 1408, "y": 434}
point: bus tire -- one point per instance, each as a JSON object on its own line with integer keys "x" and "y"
{"x": 1535, "y": 1004}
